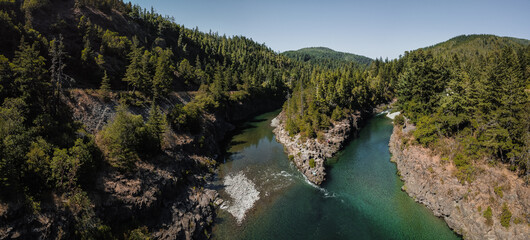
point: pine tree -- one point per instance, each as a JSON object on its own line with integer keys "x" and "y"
{"x": 134, "y": 74}
{"x": 163, "y": 79}
{"x": 156, "y": 126}
{"x": 105, "y": 83}
{"x": 28, "y": 67}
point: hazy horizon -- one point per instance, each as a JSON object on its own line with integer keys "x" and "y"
{"x": 369, "y": 28}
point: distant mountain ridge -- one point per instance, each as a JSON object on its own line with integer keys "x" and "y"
{"x": 324, "y": 54}
{"x": 476, "y": 44}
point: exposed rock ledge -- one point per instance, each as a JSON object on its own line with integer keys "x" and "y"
{"x": 302, "y": 152}
{"x": 431, "y": 182}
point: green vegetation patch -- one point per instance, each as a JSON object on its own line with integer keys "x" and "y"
{"x": 312, "y": 163}
{"x": 498, "y": 191}
{"x": 506, "y": 216}
{"x": 488, "y": 216}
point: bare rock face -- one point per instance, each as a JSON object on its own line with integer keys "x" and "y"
{"x": 157, "y": 194}
{"x": 313, "y": 150}
{"x": 431, "y": 181}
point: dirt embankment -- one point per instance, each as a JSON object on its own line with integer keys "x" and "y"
{"x": 312, "y": 151}
{"x": 432, "y": 181}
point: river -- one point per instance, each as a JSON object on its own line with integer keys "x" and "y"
{"x": 360, "y": 199}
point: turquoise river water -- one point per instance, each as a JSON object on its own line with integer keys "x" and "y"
{"x": 360, "y": 199}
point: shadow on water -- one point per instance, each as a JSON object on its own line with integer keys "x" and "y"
{"x": 230, "y": 142}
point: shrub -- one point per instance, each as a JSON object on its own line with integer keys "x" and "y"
{"x": 312, "y": 163}
{"x": 291, "y": 158}
{"x": 140, "y": 233}
{"x": 498, "y": 191}
{"x": 337, "y": 114}
{"x": 465, "y": 168}
{"x": 185, "y": 118}
{"x": 87, "y": 224}
{"x": 488, "y": 214}
{"x": 69, "y": 165}
{"x": 425, "y": 132}
{"x": 399, "y": 120}
{"x": 506, "y": 216}
{"x": 124, "y": 138}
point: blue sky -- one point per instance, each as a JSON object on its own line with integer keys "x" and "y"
{"x": 370, "y": 28}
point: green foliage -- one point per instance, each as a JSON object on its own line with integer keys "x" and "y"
{"x": 64, "y": 169}
{"x": 312, "y": 163}
{"x": 105, "y": 84}
{"x": 399, "y": 120}
{"x": 471, "y": 88}
{"x": 156, "y": 126}
{"x": 126, "y": 137}
{"x": 39, "y": 158}
{"x": 68, "y": 165}
{"x": 14, "y": 143}
{"x": 185, "y": 118}
{"x": 29, "y": 72}
{"x": 140, "y": 233}
{"x": 426, "y": 131}
{"x": 115, "y": 43}
{"x": 337, "y": 114}
{"x": 506, "y": 216}
{"x": 87, "y": 224}
{"x": 326, "y": 56}
{"x": 31, "y": 5}
{"x": 323, "y": 94}
{"x": 291, "y": 158}
{"x": 488, "y": 215}
{"x": 187, "y": 73}
{"x": 163, "y": 79}
{"x": 498, "y": 191}
{"x": 465, "y": 168}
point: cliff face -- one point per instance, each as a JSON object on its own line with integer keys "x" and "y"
{"x": 432, "y": 182}
{"x": 303, "y": 151}
{"x": 165, "y": 193}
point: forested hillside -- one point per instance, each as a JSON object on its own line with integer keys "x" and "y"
{"x": 120, "y": 52}
{"x": 50, "y": 46}
{"x": 323, "y": 95}
{"x": 326, "y": 57}
{"x": 473, "y": 90}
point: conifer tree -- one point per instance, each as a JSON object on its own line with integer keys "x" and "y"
{"x": 163, "y": 79}
{"x": 105, "y": 83}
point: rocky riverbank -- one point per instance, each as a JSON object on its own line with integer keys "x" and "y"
{"x": 432, "y": 181}
{"x": 305, "y": 152}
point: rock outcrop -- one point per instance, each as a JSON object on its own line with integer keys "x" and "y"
{"x": 432, "y": 181}
{"x": 308, "y": 151}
